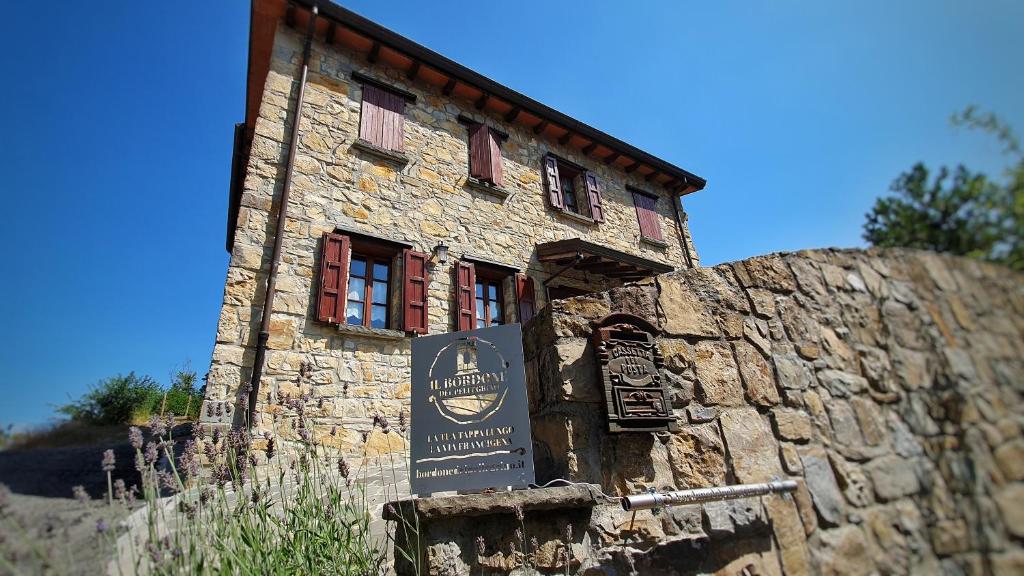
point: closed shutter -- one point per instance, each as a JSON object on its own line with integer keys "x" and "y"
{"x": 484, "y": 154}
{"x": 465, "y": 294}
{"x": 594, "y": 195}
{"x": 650, "y": 226}
{"x": 414, "y": 291}
{"x": 334, "y": 255}
{"x": 525, "y": 296}
{"x": 552, "y": 183}
{"x": 383, "y": 119}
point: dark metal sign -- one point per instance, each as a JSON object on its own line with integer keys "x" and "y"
{"x": 470, "y": 418}
{"x": 630, "y": 365}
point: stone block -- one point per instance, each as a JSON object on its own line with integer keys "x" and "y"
{"x": 792, "y": 425}
{"x": 893, "y": 477}
{"x": 1010, "y": 459}
{"x": 821, "y": 483}
{"x": 758, "y": 378}
{"x": 763, "y": 302}
{"x": 792, "y": 372}
{"x": 790, "y": 535}
{"x": 844, "y": 551}
{"x": 1009, "y": 499}
{"x": 718, "y": 381}
{"x": 768, "y": 272}
{"x": 752, "y": 448}
{"x": 685, "y": 314}
{"x": 696, "y": 456}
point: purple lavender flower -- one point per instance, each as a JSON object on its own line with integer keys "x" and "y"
{"x": 80, "y": 494}
{"x": 401, "y": 421}
{"x": 382, "y": 422}
{"x": 481, "y": 545}
{"x": 101, "y": 526}
{"x": 166, "y": 480}
{"x": 157, "y": 427}
{"x": 119, "y": 489}
{"x": 534, "y": 544}
{"x": 343, "y": 467}
{"x": 519, "y": 512}
{"x": 135, "y": 437}
{"x": 108, "y": 461}
{"x": 519, "y": 535}
{"x": 170, "y": 421}
{"x": 270, "y": 448}
{"x": 151, "y": 452}
{"x": 334, "y": 431}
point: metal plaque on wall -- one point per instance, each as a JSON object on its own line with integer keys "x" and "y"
{"x": 630, "y": 367}
{"x": 470, "y": 417}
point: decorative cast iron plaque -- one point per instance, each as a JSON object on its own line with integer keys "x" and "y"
{"x": 630, "y": 367}
{"x": 470, "y": 420}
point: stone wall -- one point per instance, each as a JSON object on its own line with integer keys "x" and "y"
{"x": 346, "y": 376}
{"x": 888, "y": 384}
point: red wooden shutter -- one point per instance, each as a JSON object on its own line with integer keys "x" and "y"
{"x": 525, "y": 296}
{"x": 494, "y": 147}
{"x": 383, "y": 119}
{"x": 480, "y": 166}
{"x": 334, "y": 255}
{"x": 650, "y": 227}
{"x": 552, "y": 183}
{"x": 371, "y": 121}
{"x": 465, "y": 282}
{"x": 594, "y": 195}
{"x": 414, "y": 291}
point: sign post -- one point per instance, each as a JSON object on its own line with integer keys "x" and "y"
{"x": 470, "y": 416}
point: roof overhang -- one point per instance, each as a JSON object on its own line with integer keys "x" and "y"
{"x": 579, "y": 254}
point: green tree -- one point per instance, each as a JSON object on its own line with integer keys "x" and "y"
{"x": 957, "y": 211}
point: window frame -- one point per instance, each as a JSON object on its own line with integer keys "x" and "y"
{"x": 369, "y": 279}
{"x": 655, "y": 219}
{"x": 486, "y": 281}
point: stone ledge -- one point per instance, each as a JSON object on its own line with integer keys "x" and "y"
{"x": 381, "y": 333}
{"x": 536, "y": 499}
{"x": 577, "y": 217}
{"x": 379, "y": 152}
{"x": 653, "y": 242}
{"x": 489, "y": 189}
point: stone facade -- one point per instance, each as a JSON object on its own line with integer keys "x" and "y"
{"x": 345, "y": 376}
{"x": 887, "y": 384}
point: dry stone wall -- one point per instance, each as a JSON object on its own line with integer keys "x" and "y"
{"x": 888, "y": 384}
{"x": 344, "y": 377}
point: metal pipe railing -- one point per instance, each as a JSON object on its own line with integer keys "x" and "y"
{"x": 701, "y": 495}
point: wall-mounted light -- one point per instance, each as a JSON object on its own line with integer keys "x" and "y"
{"x": 441, "y": 253}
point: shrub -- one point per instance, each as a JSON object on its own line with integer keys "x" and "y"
{"x": 116, "y": 400}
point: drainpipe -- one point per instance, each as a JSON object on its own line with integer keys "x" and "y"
{"x": 676, "y": 200}
{"x": 282, "y": 216}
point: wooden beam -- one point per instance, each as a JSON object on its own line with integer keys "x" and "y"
{"x": 374, "y": 52}
{"x": 513, "y": 114}
{"x": 589, "y": 148}
{"x": 565, "y": 138}
{"x": 414, "y": 70}
{"x": 329, "y": 38}
{"x": 632, "y": 167}
{"x": 540, "y": 127}
{"x": 652, "y": 176}
{"x": 449, "y": 86}
{"x": 482, "y": 101}
{"x": 614, "y": 156}
{"x": 289, "y": 16}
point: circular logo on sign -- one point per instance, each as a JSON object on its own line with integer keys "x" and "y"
{"x": 461, "y": 391}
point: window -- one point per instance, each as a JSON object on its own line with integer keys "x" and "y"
{"x": 490, "y": 308}
{"x": 565, "y": 182}
{"x": 481, "y": 292}
{"x": 359, "y": 284}
{"x": 369, "y": 290}
{"x": 485, "y": 153}
{"x": 647, "y": 216}
{"x": 382, "y": 119}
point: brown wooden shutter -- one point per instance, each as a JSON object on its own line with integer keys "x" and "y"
{"x": 479, "y": 152}
{"x": 465, "y": 294}
{"x": 371, "y": 127}
{"x": 525, "y": 297}
{"x": 494, "y": 146}
{"x": 334, "y": 255}
{"x": 414, "y": 291}
{"x": 383, "y": 119}
{"x": 594, "y": 195}
{"x": 551, "y": 182}
{"x": 650, "y": 226}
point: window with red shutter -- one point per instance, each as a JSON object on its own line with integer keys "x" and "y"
{"x": 650, "y": 226}
{"x": 465, "y": 295}
{"x": 485, "y": 153}
{"x": 525, "y": 297}
{"x": 552, "y": 182}
{"x": 594, "y": 196}
{"x": 414, "y": 293}
{"x": 334, "y": 265}
{"x": 382, "y": 120}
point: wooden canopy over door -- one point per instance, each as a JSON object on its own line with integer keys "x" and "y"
{"x": 597, "y": 259}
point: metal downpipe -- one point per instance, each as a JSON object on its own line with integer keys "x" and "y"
{"x": 282, "y": 216}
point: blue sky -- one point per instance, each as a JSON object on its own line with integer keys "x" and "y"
{"x": 118, "y": 119}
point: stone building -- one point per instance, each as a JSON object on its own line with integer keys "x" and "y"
{"x": 414, "y": 196}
